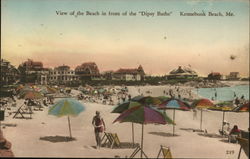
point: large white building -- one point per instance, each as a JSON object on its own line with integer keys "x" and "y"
{"x": 62, "y": 74}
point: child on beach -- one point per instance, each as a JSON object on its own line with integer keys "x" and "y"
{"x": 99, "y": 127}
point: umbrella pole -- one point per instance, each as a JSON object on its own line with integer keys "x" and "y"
{"x": 69, "y": 128}
{"x": 142, "y": 140}
{"x": 133, "y": 139}
{"x": 174, "y": 121}
{"x": 201, "y": 121}
{"x": 223, "y": 122}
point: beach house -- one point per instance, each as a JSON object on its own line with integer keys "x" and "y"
{"x": 33, "y": 72}
{"x": 233, "y": 76}
{"x": 214, "y": 76}
{"x": 9, "y": 74}
{"x": 88, "y": 71}
{"x": 129, "y": 74}
{"x": 182, "y": 73}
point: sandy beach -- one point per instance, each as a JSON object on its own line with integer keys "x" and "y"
{"x": 28, "y": 137}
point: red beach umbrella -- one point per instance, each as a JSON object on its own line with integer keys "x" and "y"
{"x": 201, "y": 104}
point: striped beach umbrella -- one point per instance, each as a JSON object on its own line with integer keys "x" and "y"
{"x": 224, "y": 107}
{"x": 125, "y": 106}
{"x": 33, "y": 95}
{"x": 174, "y": 104}
{"x": 144, "y": 115}
{"x": 202, "y": 104}
{"x": 147, "y": 100}
{"x": 67, "y": 107}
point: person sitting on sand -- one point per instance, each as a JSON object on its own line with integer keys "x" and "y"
{"x": 99, "y": 126}
{"x": 226, "y": 128}
{"x": 235, "y": 132}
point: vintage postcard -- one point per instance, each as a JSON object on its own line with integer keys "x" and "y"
{"x": 124, "y": 78}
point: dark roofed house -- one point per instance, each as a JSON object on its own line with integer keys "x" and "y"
{"x": 214, "y": 76}
{"x": 129, "y": 74}
{"x": 9, "y": 74}
{"x": 88, "y": 71}
{"x": 33, "y": 72}
{"x": 182, "y": 73}
{"x": 32, "y": 65}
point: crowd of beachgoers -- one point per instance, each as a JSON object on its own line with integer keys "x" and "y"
{"x": 95, "y": 97}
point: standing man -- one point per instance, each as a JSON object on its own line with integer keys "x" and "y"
{"x": 99, "y": 127}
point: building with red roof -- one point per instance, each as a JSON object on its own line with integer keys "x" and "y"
{"x": 129, "y": 74}
{"x": 88, "y": 71}
{"x": 33, "y": 72}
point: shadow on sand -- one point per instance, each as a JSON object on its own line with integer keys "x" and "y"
{"x": 164, "y": 134}
{"x": 57, "y": 138}
{"x": 123, "y": 145}
{"x": 191, "y": 130}
{"x": 211, "y": 135}
{"x": 226, "y": 141}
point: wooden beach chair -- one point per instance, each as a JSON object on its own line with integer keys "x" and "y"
{"x": 138, "y": 149}
{"x": 244, "y": 144}
{"x": 21, "y": 111}
{"x": 165, "y": 152}
{"x": 111, "y": 139}
{"x": 115, "y": 140}
{"x": 107, "y": 138}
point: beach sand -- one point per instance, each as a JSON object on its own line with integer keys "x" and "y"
{"x": 26, "y": 142}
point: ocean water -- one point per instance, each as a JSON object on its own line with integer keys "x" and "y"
{"x": 224, "y": 93}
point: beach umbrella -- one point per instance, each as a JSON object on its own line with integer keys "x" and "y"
{"x": 147, "y": 100}
{"x": 202, "y": 104}
{"x": 67, "y": 107}
{"x": 242, "y": 108}
{"x": 163, "y": 98}
{"x": 137, "y": 98}
{"x": 224, "y": 107}
{"x": 25, "y": 89}
{"x": 47, "y": 90}
{"x": 33, "y": 95}
{"x": 51, "y": 90}
{"x": 174, "y": 104}
{"x": 143, "y": 115}
{"x": 125, "y": 106}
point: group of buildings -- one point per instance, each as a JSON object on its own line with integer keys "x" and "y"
{"x": 33, "y": 72}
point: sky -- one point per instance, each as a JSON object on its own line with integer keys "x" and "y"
{"x": 31, "y": 29}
